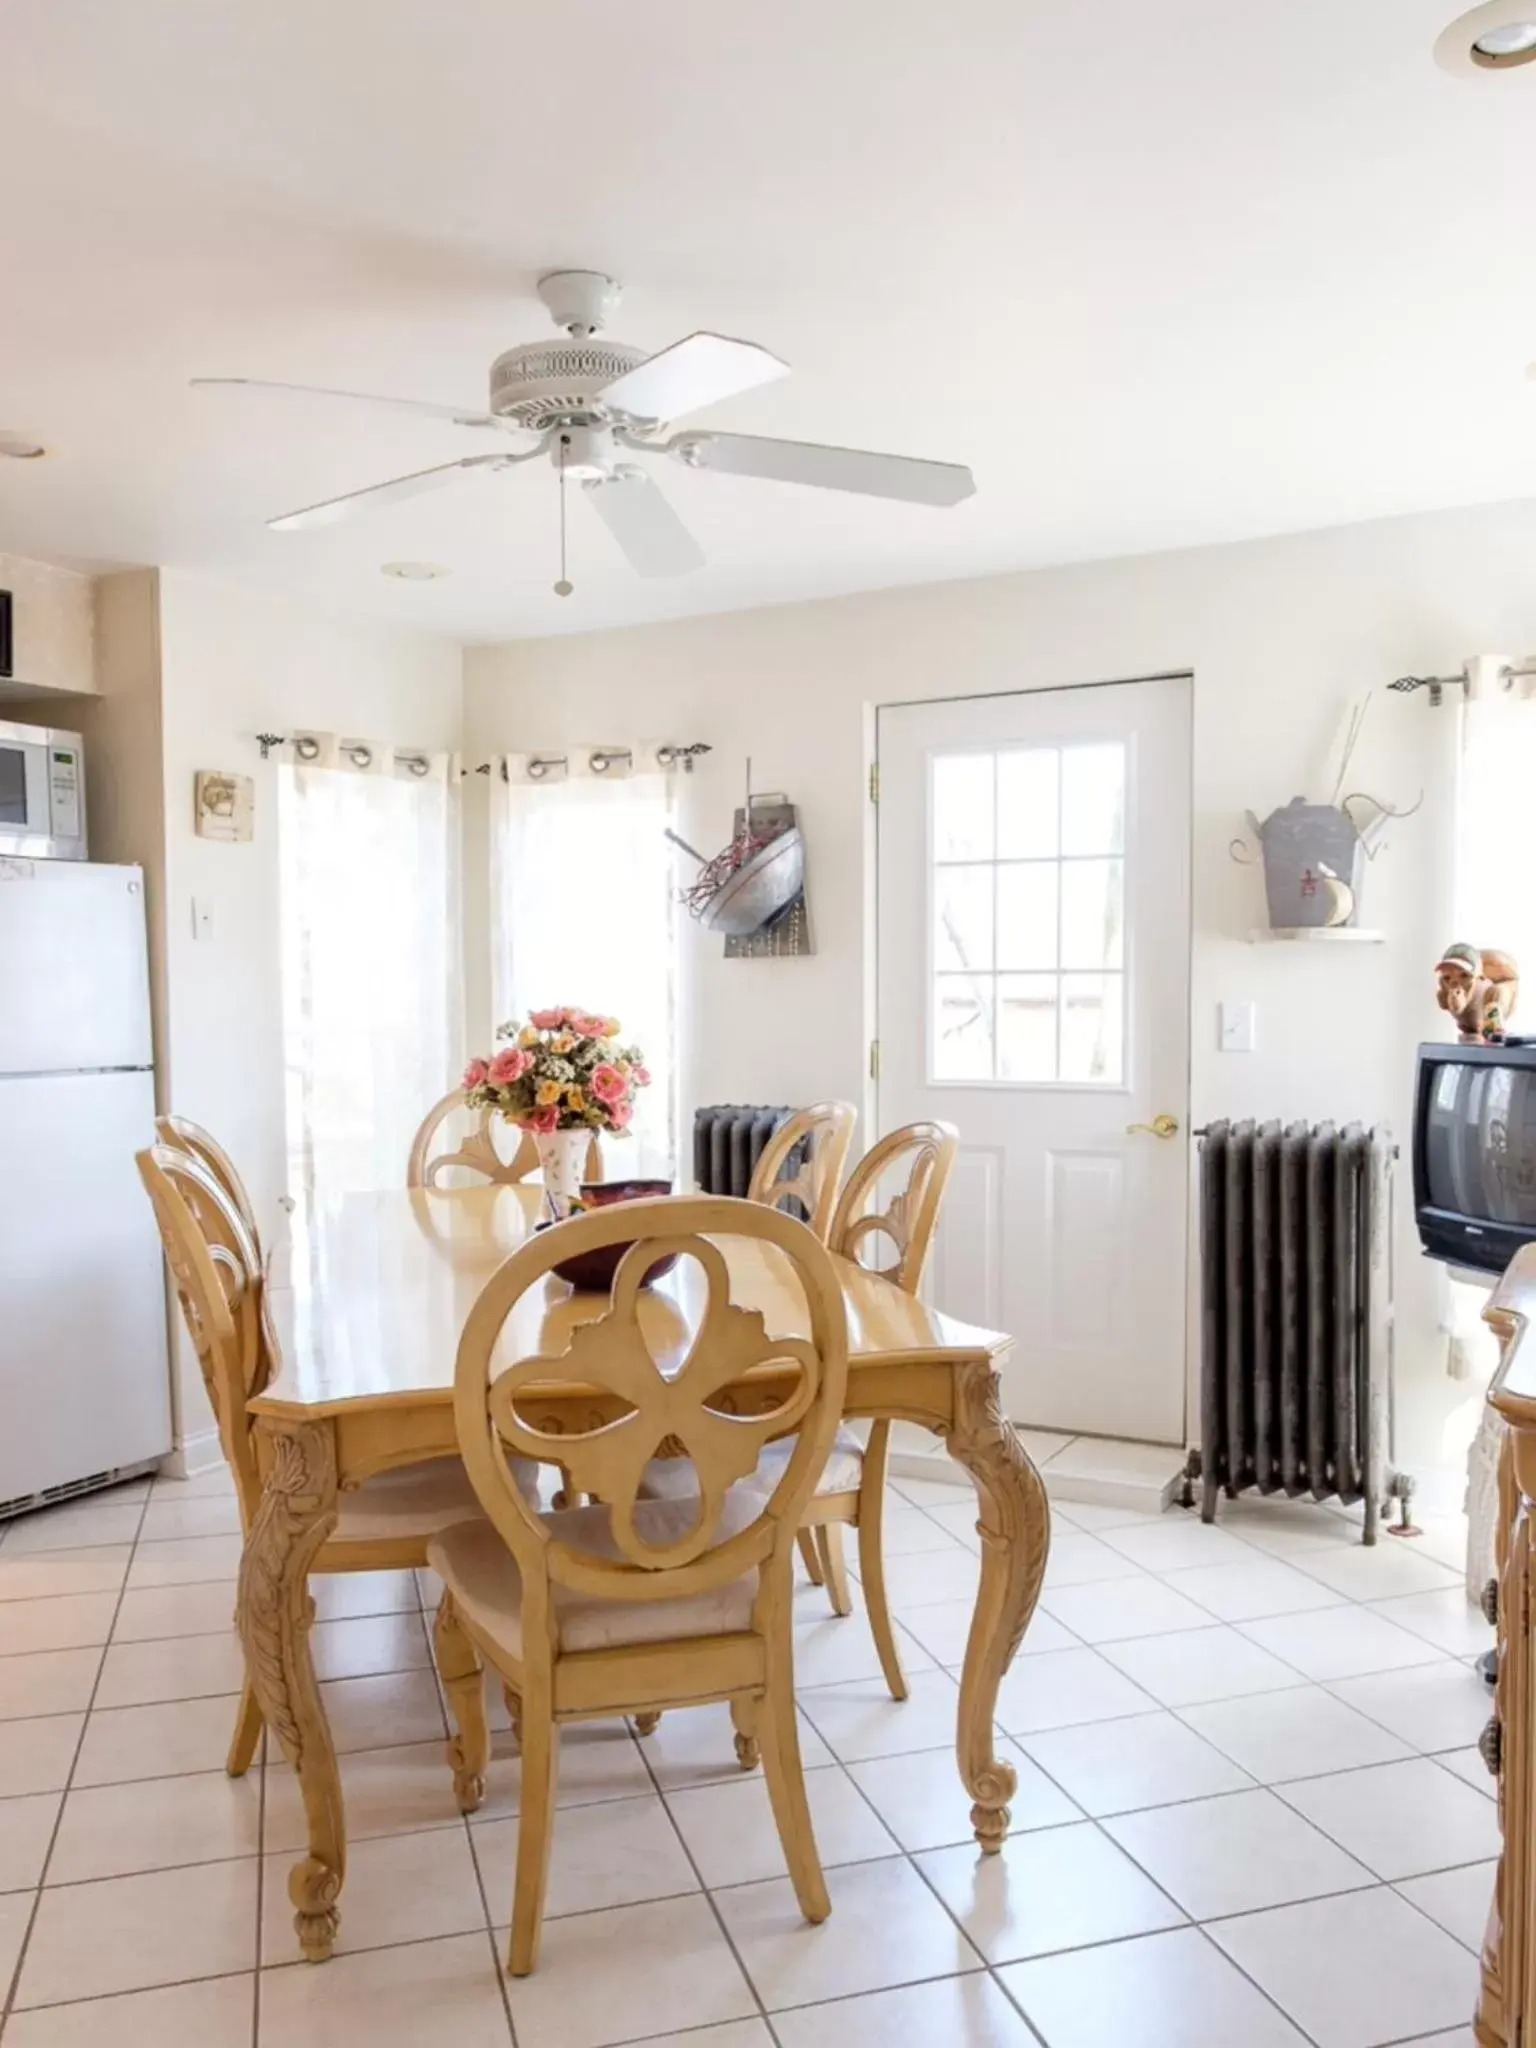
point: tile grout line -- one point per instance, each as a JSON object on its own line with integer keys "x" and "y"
{"x": 7, "y": 2006}
{"x": 497, "y": 1966}
{"x": 746, "y": 1975}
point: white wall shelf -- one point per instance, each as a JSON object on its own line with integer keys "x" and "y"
{"x": 1319, "y": 934}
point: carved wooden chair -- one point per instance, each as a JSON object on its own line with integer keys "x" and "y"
{"x": 187, "y": 1136}
{"x": 851, "y": 1493}
{"x": 477, "y": 1152}
{"x": 820, "y": 1136}
{"x": 638, "y": 1605}
{"x": 385, "y": 1524}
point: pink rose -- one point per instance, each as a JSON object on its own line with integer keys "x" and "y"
{"x": 619, "y": 1114}
{"x": 475, "y": 1074}
{"x": 546, "y": 1020}
{"x": 607, "y": 1083}
{"x": 507, "y": 1067}
{"x": 546, "y": 1119}
{"x": 641, "y": 1077}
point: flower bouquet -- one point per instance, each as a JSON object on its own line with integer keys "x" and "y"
{"x": 561, "y": 1076}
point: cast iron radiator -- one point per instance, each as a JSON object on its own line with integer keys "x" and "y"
{"x": 728, "y": 1141}
{"x": 1296, "y": 1309}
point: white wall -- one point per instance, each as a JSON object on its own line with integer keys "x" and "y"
{"x": 1281, "y": 636}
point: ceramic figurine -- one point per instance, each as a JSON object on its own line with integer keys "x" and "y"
{"x": 1478, "y": 987}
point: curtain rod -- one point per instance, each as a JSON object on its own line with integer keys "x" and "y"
{"x": 307, "y": 748}
{"x": 601, "y": 759}
{"x": 1438, "y": 685}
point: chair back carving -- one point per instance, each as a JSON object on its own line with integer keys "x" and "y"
{"x": 927, "y": 1151}
{"x": 820, "y": 1136}
{"x": 476, "y": 1152}
{"x": 203, "y": 1145}
{"x": 707, "y": 1408}
{"x": 216, "y": 1267}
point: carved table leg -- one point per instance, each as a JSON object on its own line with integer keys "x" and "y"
{"x": 273, "y": 1614}
{"x": 1015, "y": 1526}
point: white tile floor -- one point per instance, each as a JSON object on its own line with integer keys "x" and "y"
{"x": 1249, "y": 1810}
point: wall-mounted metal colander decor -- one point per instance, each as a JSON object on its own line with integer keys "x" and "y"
{"x": 753, "y": 890}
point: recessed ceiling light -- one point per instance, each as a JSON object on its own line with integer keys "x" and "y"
{"x": 1498, "y": 36}
{"x": 1514, "y": 43}
{"x": 413, "y": 572}
{"x": 20, "y": 448}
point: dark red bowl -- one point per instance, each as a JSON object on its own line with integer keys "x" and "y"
{"x": 592, "y": 1272}
{"x": 601, "y": 1194}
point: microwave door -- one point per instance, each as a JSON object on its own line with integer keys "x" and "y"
{"x": 13, "y": 788}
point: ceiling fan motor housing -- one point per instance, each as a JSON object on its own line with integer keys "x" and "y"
{"x": 546, "y": 384}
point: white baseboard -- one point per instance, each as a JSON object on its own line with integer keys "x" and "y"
{"x": 1145, "y": 1481}
{"x": 194, "y": 1455}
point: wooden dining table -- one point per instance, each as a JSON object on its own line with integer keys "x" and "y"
{"x": 367, "y": 1302}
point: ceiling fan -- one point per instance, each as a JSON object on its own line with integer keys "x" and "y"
{"x": 588, "y": 403}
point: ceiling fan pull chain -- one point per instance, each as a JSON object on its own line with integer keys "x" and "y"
{"x": 564, "y": 587}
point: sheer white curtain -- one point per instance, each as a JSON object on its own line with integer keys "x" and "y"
{"x": 583, "y": 912}
{"x": 371, "y": 957}
{"x": 1495, "y": 904}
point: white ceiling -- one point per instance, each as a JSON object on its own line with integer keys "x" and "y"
{"x": 1161, "y": 271}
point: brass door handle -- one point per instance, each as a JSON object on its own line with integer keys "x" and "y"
{"x": 1164, "y": 1126}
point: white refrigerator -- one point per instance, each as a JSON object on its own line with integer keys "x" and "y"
{"x": 84, "y": 1371}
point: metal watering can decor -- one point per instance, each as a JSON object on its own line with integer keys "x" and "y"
{"x": 1313, "y": 864}
{"x": 1314, "y": 855}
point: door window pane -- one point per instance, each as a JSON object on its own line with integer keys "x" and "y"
{"x": 1026, "y": 1027}
{"x": 1029, "y": 901}
{"x": 962, "y": 1027}
{"x": 1093, "y": 1028}
{"x": 1026, "y": 914}
{"x": 1027, "y": 788}
{"x": 962, "y": 917}
{"x": 1092, "y": 913}
{"x": 962, "y": 806}
{"x": 1093, "y": 799}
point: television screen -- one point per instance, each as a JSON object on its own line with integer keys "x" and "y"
{"x": 1479, "y": 1142}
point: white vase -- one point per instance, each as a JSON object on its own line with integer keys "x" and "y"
{"x": 562, "y": 1162}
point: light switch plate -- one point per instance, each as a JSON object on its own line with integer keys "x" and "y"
{"x": 1238, "y": 1026}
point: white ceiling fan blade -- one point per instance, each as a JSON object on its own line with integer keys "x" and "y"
{"x": 653, "y": 538}
{"x": 412, "y": 486}
{"x": 462, "y": 416}
{"x": 829, "y": 469}
{"x": 691, "y": 374}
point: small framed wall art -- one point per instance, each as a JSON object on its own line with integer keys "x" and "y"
{"x": 223, "y": 805}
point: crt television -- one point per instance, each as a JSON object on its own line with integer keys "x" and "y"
{"x": 1474, "y": 1152}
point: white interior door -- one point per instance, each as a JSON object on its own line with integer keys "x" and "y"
{"x": 1034, "y": 991}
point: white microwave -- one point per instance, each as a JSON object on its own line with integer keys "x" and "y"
{"x": 42, "y": 793}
